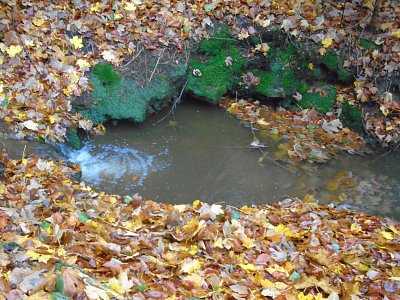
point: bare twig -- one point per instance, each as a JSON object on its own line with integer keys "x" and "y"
{"x": 129, "y": 62}
{"x": 176, "y": 101}
{"x": 155, "y": 68}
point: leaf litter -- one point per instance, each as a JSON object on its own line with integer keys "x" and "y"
{"x": 60, "y": 239}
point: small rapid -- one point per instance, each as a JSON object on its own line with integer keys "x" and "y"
{"x": 104, "y": 164}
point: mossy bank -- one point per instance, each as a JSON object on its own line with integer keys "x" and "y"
{"x": 271, "y": 68}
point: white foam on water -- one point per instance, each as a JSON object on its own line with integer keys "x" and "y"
{"x": 111, "y": 163}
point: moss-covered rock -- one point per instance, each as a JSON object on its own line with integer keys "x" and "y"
{"x": 116, "y": 97}
{"x": 351, "y": 117}
{"x": 220, "y": 64}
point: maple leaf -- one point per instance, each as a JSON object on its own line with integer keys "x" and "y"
{"x": 95, "y": 7}
{"x": 121, "y": 285}
{"x": 109, "y": 55}
{"x": 244, "y": 34}
{"x": 14, "y": 50}
{"x": 76, "y": 42}
{"x": 327, "y": 42}
{"x": 131, "y": 6}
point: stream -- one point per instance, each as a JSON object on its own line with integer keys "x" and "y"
{"x": 203, "y": 153}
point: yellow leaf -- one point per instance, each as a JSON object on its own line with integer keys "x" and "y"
{"x": 392, "y": 228}
{"x": 95, "y": 7}
{"x": 82, "y": 63}
{"x": 322, "y": 51}
{"x": 193, "y": 249}
{"x": 218, "y": 243}
{"x": 387, "y": 235}
{"x": 131, "y": 6}
{"x": 1, "y": 61}
{"x": 340, "y": 98}
{"x": 262, "y": 122}
{"x": 327, "y": 42}
{"x": 191, "y": 266}
{"x": 76, "y": 42}
{"x": 248, "y": 210}
{"x": 248, "y": 267}
{"x": 14, "y": 50}
{"x": 396, "y": 34}
{"x": 301, "y": 296}
{"x": 286, "y": 231}
{"x": 52, "y": 119}
{"x": 38, "y": 22}
{"x": 44, "y": 258}
{"x": 384, "y": 110}
{"x": 260, "y": 279}
{"x": 248, "y": 243}
{"x": 394, "y": 278}
{"x": 196, "y": 279}
{"x": 311, "y": 66}
{"x": 118, "y": 16}
{"x": 355, "y": 227}
{"x": 114, "y": 284}
{"x": 197, "y": 203}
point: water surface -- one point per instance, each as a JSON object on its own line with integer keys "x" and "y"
{"x": 204, "y": 153}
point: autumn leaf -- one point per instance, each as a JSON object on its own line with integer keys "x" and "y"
{"x": 396, "y": 34}
{"x": 12, "y": 51}
{"x": 327, "y": 42}
{"x": 76, "y": 42}
{"x": 131, "y": 6}
{"x": 109, "y": 55}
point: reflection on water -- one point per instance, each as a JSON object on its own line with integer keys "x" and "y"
{"x": 206, "y": 155}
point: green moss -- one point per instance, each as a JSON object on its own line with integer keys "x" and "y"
{"x": 317, "y": 101}
{"x": 282, "y": 78}
{"x": 72, "y": 138}
{"x": 344, "y": 75}
{"x": 351, "y": 117}
{"x": 106, "y": 74}
{"x": 122, "y": 99}
{"x": 331, "y": 61}
{"x": 216, "y": 76}
{"x": 367, "y": 44}
{"x": 221, "y": 40}
{"x": 268, "y": 85}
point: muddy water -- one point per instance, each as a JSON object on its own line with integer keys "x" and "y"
{"x": 205, "y": 154}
